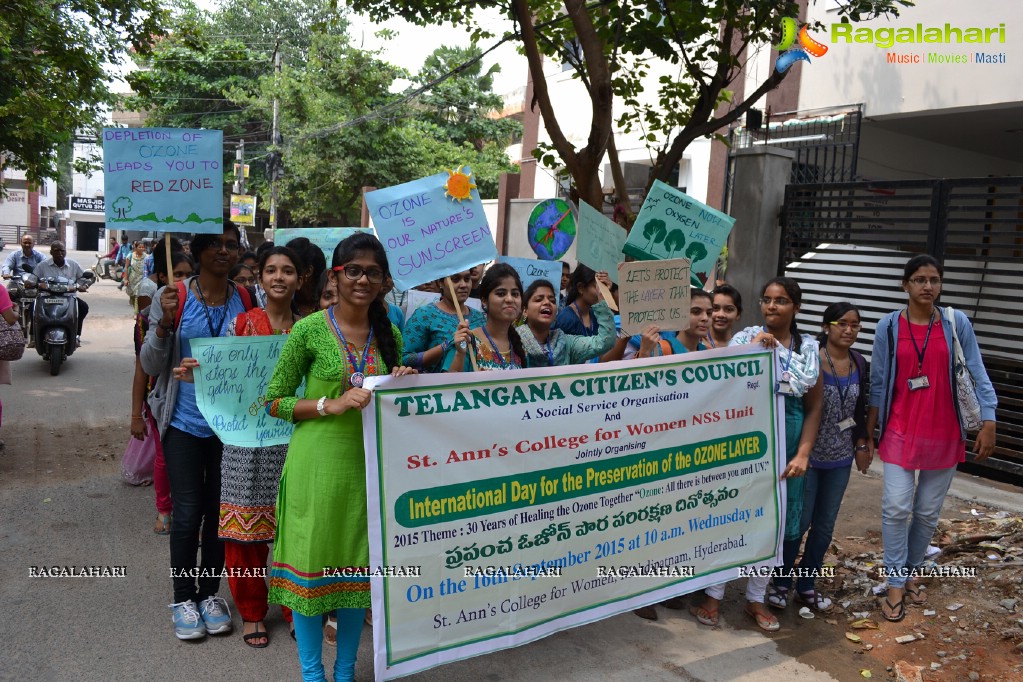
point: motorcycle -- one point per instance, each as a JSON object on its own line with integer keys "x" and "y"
{"x": 55, "y": 319}
{"x": 23, "y": 291}
{"x": 103, "y": 272}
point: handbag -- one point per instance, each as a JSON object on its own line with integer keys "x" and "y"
{"x": 12, "y": 341}
{"x": 140, "y": 457}
{"x": 965, "y": 387}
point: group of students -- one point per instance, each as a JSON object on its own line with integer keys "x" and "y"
{"x": 344, "y": 325}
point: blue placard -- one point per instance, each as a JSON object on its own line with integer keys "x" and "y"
{"x": 600, "y": 241}
{"x": 672, "y": 224}
{"x": 327, "y": 238}
{"x": 164, "y": 179}
{"x": 427, "y": 234}
{"x": 531, "y": 269}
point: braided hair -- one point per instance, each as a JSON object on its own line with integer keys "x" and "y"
{"x": 347, "y": 251}
{"x": 493, "y": 277}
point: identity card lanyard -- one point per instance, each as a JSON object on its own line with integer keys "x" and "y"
{"x": 358, "y": 377}
{"x": 843, "y": 390}
{"x": 547, "y": 347}
{"x": 920, "y": 380}
{"x": 206, "y": 311}
{"x": 497, "y": 352}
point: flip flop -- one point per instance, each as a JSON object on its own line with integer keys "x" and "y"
{"x": 765, "y": 621}
{"x": 916, "y": 595}
{"x": 330, "y": 624}
{"x": 164, "y": 527}
{"x": 709, "y": 618}
{"x": 898, "y": 610}
{"x": 253, "y": 636}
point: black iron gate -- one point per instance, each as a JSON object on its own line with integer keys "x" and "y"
{"x": 850, "y": 241}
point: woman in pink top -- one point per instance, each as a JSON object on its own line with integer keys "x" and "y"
{"x": 912, "y": 397}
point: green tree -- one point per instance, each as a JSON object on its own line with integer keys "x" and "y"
{"x": 674, "y": 242}
{"x": 655, "y": 231}
{"x": 696, "y": 252}
{"x": 53, "y": 83}
{"x": 611, "y": 47}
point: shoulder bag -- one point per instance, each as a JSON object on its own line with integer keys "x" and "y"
{"x": 965, "y": 387}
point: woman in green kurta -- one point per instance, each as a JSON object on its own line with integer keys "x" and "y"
{"x": 321, "y": 504}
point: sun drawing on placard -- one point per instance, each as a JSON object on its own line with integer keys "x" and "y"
{"x": 459, "y": 184}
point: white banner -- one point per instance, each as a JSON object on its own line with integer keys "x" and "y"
{"x": 516, "y": 504}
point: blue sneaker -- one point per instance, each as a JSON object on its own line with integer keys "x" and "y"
{"x": 215, "y": 615}
{"x": 187, "y": 622}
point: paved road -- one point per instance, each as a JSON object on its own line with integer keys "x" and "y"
{"x": 61, "y": 503}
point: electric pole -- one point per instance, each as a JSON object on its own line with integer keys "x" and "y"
{"x": 239, "y": 175}
{"x": 277, "y": 168}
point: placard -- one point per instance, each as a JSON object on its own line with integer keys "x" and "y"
{"x": 164, "y": 179}
{"x": 600, "y": 241}
{"x": 654, "y": 292}
{"x": 593, "y": 490}
{"x": 243, "y": 209}
{"x": 327, "y": 238}
{"x": 230, "y": 387}
{"x": 530, "y": 270}
{"x": 427, "y": 233}
{"x": 672, "y": 224}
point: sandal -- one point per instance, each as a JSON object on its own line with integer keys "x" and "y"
{"x": 330, "y": 631}
{"x": 898, "y": 610}
{"x": 163, "y": 524}
{"x": 777, "y": 597}
{"x": 765, "y": 621}
{"x": 705, "y": 616}
{"x": 250, "y": 638}
{"x": 916, "y": 595}
{"x": 815, "y": 600}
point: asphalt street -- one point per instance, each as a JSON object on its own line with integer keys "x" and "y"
{"x": 62, "y": 503}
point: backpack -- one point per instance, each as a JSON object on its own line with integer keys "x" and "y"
{"x": 248, "y": 299}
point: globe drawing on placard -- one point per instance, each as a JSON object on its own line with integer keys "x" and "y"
{"x": 551, "y": 229}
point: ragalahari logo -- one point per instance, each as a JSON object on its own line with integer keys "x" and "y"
{"x": 807, "y": 45}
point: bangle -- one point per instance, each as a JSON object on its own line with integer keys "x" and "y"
{"x": 136, "y": 416}
{"x": 319, "y": 406}
{"x": 862, "y": 448}
{"x": 443, "y": 347}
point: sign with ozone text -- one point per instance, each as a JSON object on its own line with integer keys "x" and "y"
{"x": 230, "y": 385}
{"x": 531, "y": 270}
{"x": 593, "y": 490}
{"x": 327, "y": 238}
{"x": 427, "y": 234}
{"x": 164, "y": 179}
{"x": 601, "y": 241}
{"x": 654, "y": 292}
{"x": 672, "y": 224}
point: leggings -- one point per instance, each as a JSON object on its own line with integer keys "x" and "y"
{"x": 309, "y": 634}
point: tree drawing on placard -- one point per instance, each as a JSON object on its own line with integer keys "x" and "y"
{"x": 674, "y": 242}
{"x": 696, "y": 252}
{"x": 654, "y": 231}
{"x": 122, "y": 205}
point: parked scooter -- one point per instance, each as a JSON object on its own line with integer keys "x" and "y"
{"x": 103, "y": 272}
{"x": 55, "y": 321}
{"x": 23, "y": 291}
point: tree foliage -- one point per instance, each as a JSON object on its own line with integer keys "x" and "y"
{"x": 612, "y": 48}
{"x": 53, "y": 83}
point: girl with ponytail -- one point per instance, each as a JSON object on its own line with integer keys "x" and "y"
{"x": 321, "y": 503}
{"x": 497, "y": 343}
{"x": 797, "y": 378}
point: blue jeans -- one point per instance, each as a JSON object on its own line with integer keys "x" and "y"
{"x": 309, "y": 635}
{"x": 910, "y": 508}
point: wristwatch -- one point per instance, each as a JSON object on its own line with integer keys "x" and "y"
{"x": 319, "y": 406}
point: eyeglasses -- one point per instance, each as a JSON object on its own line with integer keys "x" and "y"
{"x": 355, "y": 273}
{"x": 780, "y": 302}
{"x": 921, "y": 281}
{"x": 855, "y": 326}
{"x": 221, "y": 244}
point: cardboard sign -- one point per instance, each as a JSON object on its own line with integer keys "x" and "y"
{"x": 327, "y": 238}
{"x": 427, "y": 234}
{"x": 531, "y": 270}
{"x": 654, "y": 292}
{"x": 600, "y": 241}
{"x": 672, "y": 224}
{"x": 164, "y": 179}
{"x": 243, "y": 209}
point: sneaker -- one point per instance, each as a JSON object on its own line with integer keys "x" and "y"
{"x": 215, "y": 615}
{"x": 187, "y": 623}
{"x": 78, "y": 342}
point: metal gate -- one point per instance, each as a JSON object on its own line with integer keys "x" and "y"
{"x": 850, "y": 241}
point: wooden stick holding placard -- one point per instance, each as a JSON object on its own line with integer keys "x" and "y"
{"x": 170, "y": 265}
{"x": 461, "y": 319}
{"x": 608, "y": 297}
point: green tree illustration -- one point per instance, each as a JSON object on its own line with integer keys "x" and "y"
{"x": 674, "y": 241}
{"x": 123, "y": 206}
{"x": 696, "y": 252}
{"x": 654, "y": 231}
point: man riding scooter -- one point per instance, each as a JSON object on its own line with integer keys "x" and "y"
{"x": 58, "y": 265}
{"x": 27, "y": 254}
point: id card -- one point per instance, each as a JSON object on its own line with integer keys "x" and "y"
{"x": 784, "y": 388}
{"x": 916, "y": 383}
{"x": 846, "y": 424}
